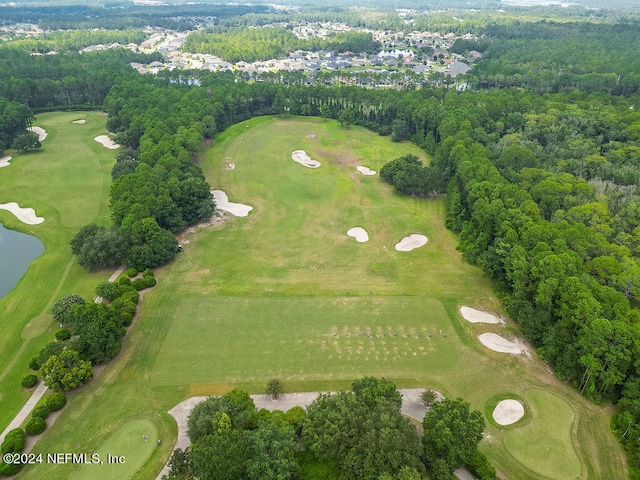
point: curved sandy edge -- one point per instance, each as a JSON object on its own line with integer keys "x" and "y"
{"x": 79, "y": 122}
{"x": 40, "y": 131}
{"x": 365, "y": 170}
{"x": 107, "y": 142}
{"x": 500, "y": 344}
{"x": 359, "y": 233}
{"x": 25, "y": 215}
{"x": 223, "y": 203}
{"x": 4, "y": 161}
{"x": 414, "y": 240}
{"x": 508, "y": 412}
{"x": 477, "y": 316}
{"x": 302, "y": 158}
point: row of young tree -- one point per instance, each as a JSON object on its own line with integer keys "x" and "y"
{"x": 359, "y": 434}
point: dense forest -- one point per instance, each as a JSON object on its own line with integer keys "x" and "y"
{"x": 255, "y": 44}
{"x": 540, "y": 169}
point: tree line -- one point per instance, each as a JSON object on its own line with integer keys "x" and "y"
{"x": 358, "y": 434}
{"x": 255, "y": 44}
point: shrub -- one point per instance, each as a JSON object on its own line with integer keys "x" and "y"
{"x": 147, "y": 273}
{"x": 41, "y": 411}
{"x": 29, "y": 380}
{"x": 124, "y": 281}
{"x": 481, "y": 468}
{"x": 62, "y": 311}
{"x": 35, "y": 426}
{"x": 10, "y": 469}
{"x": 63, "y": 334}
{"x": 107, "y": 290}
{"x": 126, "y": 319}
{"x": 131, "y": 272}
{"x": 56, "y": 401}
{"x": 138, "y": 284}
{"x": 34, "y": 364}
{"x": 14, "y": 441}
{"x": 149, "y": 281}
{"x": 122, "y": 305}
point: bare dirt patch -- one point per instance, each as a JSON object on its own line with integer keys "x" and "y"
{"x": 340, "y": 157}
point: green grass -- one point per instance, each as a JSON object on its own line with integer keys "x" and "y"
{"x": 262, "y": 295}
{"x": 128, "y": 442}
{"x": 67, "y": 183}
{"x": 555, "y": 457}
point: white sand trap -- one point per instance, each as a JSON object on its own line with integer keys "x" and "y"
{"x": 302, "y": 158}
{"x": 499, "y": 344}
{"x": 508, "y": 412}
{"x": 26, "y": 215}
{"x": 412, "y": 241}
{"x": 4, "y": 161}
{"x": 359, "y": 233}
{"x": 107, "y": 142}
{"x": 79, "y": 122}
{"x": 365, "y": 170}
{"x": 223, "y": 203}
{"x": 40, "y": 131}
{"x": 231, "y": 166}
{"x": 476, "y": 316}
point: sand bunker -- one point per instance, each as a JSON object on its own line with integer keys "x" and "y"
{"x": 231, "y": 166}
{"x": 365, "y": 170}
{"x": 40, "y": 131}
{"x": 302, "y": 158}
{"x": 359, "y": 233}
{"x": 223, "y": 203}
{"x": 412, "y": 241}
{"x": 4, "y": 161}
{"x": 476, "y": 316}
{"x": 499, "y": 344}
{"x": 26, "y": 215}
{"x": 508, "y": 412}
{"x": 79, "y": 122}
{"x": 107, "y": 142}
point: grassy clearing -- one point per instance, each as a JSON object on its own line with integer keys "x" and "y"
{"x": 257, "y": 296}
{"x": 67, "y": 183}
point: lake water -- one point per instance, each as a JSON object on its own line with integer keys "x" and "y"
{"x": 17, "y": 251}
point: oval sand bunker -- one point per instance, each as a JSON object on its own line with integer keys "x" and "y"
{"x": 411, "y": 242}
{"x": 476, "y": 316}
{"x": 222, "y": 203}
{"x": 499, "y": 344}
{"x": 359, "y": 233}
{"x": 508, "y": 412}
{"x": 365, "y": 170}
{"x": 302, "y": 158}
{"x": 107, "y": 142}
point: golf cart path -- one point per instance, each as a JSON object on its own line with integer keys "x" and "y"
{"x": 412, "y": 406}
{"x": 38, "y": 394}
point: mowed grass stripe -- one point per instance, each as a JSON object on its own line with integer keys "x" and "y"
{"x": 230, "y": 339}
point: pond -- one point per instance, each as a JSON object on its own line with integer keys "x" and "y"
{"x": 17, "y": 251}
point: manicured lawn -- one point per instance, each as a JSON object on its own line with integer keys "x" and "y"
{"x": 286, "y": 292}
{"x": 555, "y": 457}
{"x": 67, "y": 183}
